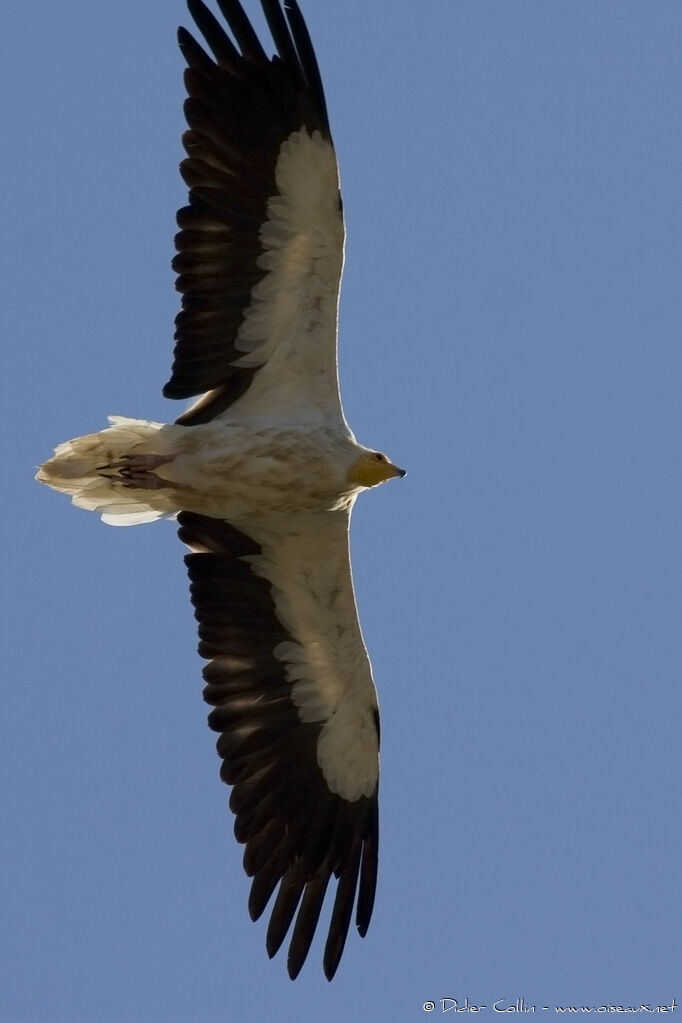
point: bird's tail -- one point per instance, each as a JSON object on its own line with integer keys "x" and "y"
{"x": 83, "y": 469}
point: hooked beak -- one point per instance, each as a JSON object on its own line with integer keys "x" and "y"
{"x": 397, "y": 471}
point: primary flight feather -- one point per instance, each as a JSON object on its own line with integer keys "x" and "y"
{"x": 262, "y": 472}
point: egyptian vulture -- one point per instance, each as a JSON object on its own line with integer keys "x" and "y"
{"x": 262, "y": 472}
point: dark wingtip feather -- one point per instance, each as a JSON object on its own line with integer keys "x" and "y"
{"x": 368, "y": 874}
{"x": 306, "y": 55}
{"x": 221, "y": 46}
{"x": 306, "y": 922}
{"x": 280, "y": 31}
{"x": 341, "y": 916}
{"x": 242, "y": 30}
{"x": 288, "y": 898}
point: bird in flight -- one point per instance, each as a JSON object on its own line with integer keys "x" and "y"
{"x": 261, "y": 473}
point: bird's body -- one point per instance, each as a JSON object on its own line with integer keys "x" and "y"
{"x": 262, "y": 472}
{"x": 238, "y": 469}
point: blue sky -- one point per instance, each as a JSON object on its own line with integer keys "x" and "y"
{"x": 510, "y": 332}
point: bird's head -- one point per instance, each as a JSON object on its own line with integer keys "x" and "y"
{"x": 371, "y": 468}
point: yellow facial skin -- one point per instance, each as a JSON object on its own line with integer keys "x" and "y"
{"x": 373, "y": 468}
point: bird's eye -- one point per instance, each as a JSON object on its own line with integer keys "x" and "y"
{"x": 380, "y": 458}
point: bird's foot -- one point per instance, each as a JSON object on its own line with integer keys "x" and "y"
{"x": 136, "y": 471}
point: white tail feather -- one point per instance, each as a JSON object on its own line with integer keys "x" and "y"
{"x": 74, "y": 470}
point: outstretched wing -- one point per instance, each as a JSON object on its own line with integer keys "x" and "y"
{"x": 294, "y": 702}
{"x": 260, "y": 247}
